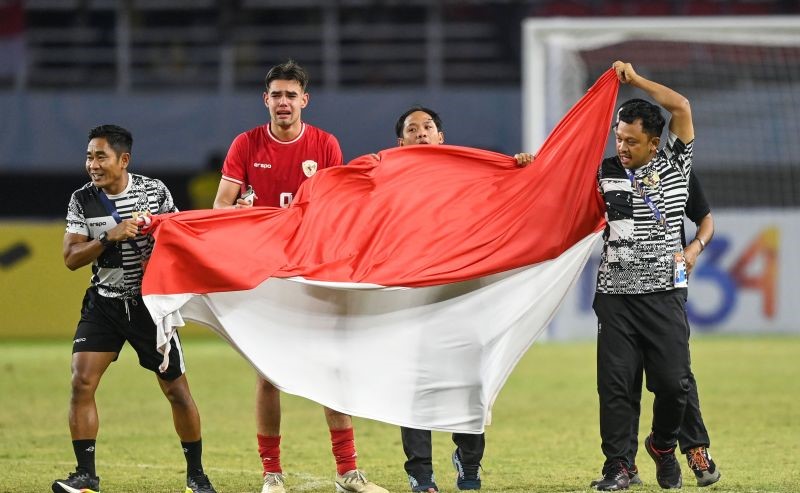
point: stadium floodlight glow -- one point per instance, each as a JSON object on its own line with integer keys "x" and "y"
{"x": 741, "y": 74}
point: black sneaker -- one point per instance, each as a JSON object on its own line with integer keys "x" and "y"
{"x": 668, "y": 471}
{"x": 77, "y": 482}
{"x": 614, "y": 479}
{"x": 468, "y": 476}
{"x": 633, "y": 478}
{"x": 426, "y": 484}
{"x": 199, "y": 484}
{"x": 702, "y": 465}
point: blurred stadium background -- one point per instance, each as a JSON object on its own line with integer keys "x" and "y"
{"x": 185, "y": 76}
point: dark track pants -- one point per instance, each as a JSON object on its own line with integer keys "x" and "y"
{"x": 693, "y": 431}
{"x": 418, "y": 449}
{"x": 649, "y": 330}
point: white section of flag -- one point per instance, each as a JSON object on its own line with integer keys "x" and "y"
{"x": 431, "y": 358}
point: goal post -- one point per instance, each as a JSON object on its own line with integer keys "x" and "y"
{"x": 741, "y": 75}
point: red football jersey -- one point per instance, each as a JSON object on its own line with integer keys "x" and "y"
{"x": 275, "y": 168}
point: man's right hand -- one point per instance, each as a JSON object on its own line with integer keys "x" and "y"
{"x": 242, "y": 204}
{"x": 625, "y": 72}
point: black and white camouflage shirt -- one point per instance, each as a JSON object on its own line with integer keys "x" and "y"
{"x": 638, "y": 250}
{"x": 117, "y": 273}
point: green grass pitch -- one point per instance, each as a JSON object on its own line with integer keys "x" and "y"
{"x": 544, "y": 436}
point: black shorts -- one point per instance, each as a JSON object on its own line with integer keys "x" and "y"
{"x": 106, "y": 323}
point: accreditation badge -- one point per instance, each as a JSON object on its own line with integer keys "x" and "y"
{"x": 309, "y": 167}
{"x": 680, "y": 279}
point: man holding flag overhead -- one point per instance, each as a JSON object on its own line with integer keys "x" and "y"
{"x": 642, "y": 280}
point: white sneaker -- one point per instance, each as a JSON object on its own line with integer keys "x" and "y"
{"x": 355, "y": 482}
{"x": 273, "y": 483}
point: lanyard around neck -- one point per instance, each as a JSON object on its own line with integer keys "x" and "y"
{"x": 647, "y": 200}
{"x": 112, "y": 209}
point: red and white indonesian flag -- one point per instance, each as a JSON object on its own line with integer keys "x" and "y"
{"x": 403, "y": 287}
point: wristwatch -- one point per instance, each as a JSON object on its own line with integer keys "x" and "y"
{"x": 103, "y": 239}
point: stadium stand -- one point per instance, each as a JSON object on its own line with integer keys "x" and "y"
{"x": 200, "y": 44}
{"x": 215, "y": 46}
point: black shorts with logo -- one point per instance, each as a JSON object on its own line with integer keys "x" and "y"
{"x": 106, "y": 323}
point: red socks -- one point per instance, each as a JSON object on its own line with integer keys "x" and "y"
{"x": 342, "y": 444}
{"x": 269, "y": 448}
{"x": 344, "y": 450}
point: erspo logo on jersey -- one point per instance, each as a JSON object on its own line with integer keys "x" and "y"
{"x": 262, "y": 165}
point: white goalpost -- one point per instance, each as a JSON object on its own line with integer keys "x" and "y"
{"x": 741, "y": 74}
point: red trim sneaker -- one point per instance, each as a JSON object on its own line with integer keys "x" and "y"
{"x": 668, "y": 471}
{"x": 633, "y": 478}
{"x": 615, "y": 478}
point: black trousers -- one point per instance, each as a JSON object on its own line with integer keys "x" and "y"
{"x": 418, "y": 449}
{"x": 693, "y": 430}
{"x": 647, "y": 331}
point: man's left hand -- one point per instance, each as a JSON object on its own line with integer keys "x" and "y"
{"x": 690, "y": 254}
{"x": 524, "y": 159}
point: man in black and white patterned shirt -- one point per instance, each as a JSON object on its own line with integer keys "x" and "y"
{"x": 641, "y": 282}
{"x": 102, "y": 230}
{"x": 693, "y": 439}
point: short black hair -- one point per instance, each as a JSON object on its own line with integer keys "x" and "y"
{"x": 650, "y": 114}
{"x": 117, "y": 137}
{"x": 290, "y": 70}
{"x": 398, "y": 127}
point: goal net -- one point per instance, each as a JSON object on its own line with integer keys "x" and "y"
{"x": 741, "y": 75}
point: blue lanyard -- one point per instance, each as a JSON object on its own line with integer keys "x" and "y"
{"x": 111, "y": 209}
{"x": 647, "y": 200}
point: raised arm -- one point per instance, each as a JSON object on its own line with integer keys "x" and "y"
{"x": 677, "y": 105}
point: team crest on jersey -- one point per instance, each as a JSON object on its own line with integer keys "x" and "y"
{"x": 309, "y": 167}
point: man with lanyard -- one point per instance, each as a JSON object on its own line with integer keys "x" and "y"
{"x": 272, "y": 161}
{"x": 693, "y": 438}
{"x": 102, "y": 230}
{"x": 422, "y": 126}
{"x": 642, "y": 280}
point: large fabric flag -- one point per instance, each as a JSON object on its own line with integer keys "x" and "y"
{"x": 403, "y": 287}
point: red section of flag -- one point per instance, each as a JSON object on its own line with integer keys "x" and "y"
{"x": 409, "y": 216}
